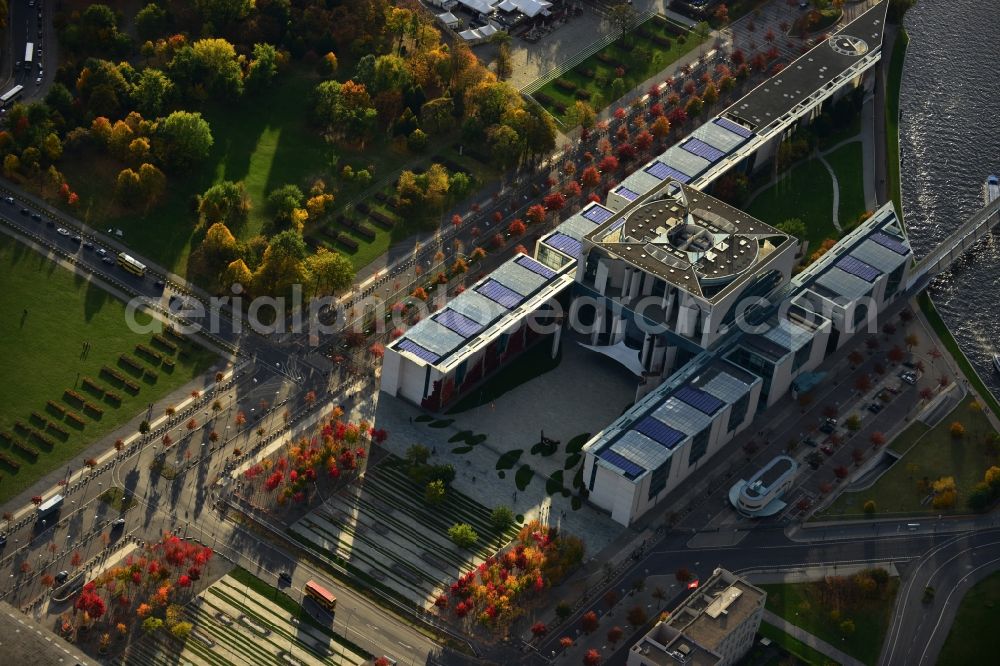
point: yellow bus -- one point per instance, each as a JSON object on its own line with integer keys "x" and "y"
{"x": 321, "y": 595}
{"x": 131, "y": 265}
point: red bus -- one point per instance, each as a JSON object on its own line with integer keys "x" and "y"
{"x": 321, "y": 595}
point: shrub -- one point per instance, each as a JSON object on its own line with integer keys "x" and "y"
{"x": 93, "y": 386}
{"x": 150, "y": 375}
{"x": 57, "y": 429}
{"x": 870, "y": 507}
{"x": 168, "y": 364}
{"x": 382, "y": 219}
{"x": 543, "y": 99}
{"x": 365, "y": 231}
{"x": 582, "y": 94}
{"x": 347, "y": 242}
{"x": 94, "y": 410}
{"x": 55, "y": 406}
{"x": 9, "y": 462}
{"x": 463, "y": 535}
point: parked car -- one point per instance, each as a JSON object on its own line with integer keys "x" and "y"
{"x": 62, "y": 576}
{"x": 909, "y": 377}
{"x": 875, "y": 408}
{"x": 829, "y": 425}
{"x": 827, "y": 449}
{"x": 62, "y": 231}
{"x": 120, "y": 522}
{"x": 101, "y": 252}
{"x": 9, "y": 200}
{"x": 77, "y": 239}
{"x": 809, "y": 441}
{"x": 285, "y": 577}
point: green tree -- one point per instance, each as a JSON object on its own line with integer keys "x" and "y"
{"x": 182, "y": 139}
{"x": 417, "y": 455}
{"x": 221, "y": 13}
{"x": 263, "y": 66}
{"x": 463, "y": 535}
{"x": 505, "y": 64}
{"x": 330, "y": 272}
{"x": 501, "y": 517}
{"x": 127, "y": 187}
{"x": 344, "y": 109}
{"x": 853, "y": 423}
{"x": 151, "y": 624}
{"x": 434, "y": 493}
{"x": 152, "y": 182}
{"x": 217, "y": 68}
{"x": 417, "y": 141}
{"x": 152, "y": 92}
{"x": 847, "y": 627}
{"x": 225, "y": 202}
{"x": 438, "y": 115}
{"x": 618, "y": 88}
{"x": 793, "y": 226}
{"x": 581, "y": 114}
{"x": 181, "y": 630}
{"x": 622, "y": 17}
{"x": 391, "y": 73}
{"x": 505, "y": 145}
{"x": 282, "y": 264}
{"x": 283, "y": 201}
{"x": 151, "y": 22}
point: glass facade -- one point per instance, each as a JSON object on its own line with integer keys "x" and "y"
{"x": 658, "y": 479}
{"x": 698, "y": 446}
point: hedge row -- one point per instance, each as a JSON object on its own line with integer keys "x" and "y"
{"x": 6, "y": 436}
{"x": 99, "y": 390}
{"x": 26, "y": 450}
{"x": 161, "y": 340}
{"x": 566, "y": 85}
{"x": 120, "y": 378}
{"x": 56, "y": 406}
{"x": 131, "y": 362}
{"x": 151, "y": 354}
{"x": 382, "y": 219}
{"x": 582, "y": 94}
{"x": 42, "y": 439}
{"x": 10, "y": 462}
{"x": 660, "y": 40}
{"x": 366, "y": 232}
{"x": 74, "y": 398}
{"x": 172, "y": 332}
{"x": 168, "y": 364}
{"x": 20, "y": 427}
{"x": 58, "y": 429}
{"x": 347, "y": 242}
{"x": 150, "y": 375}
{"x": 76, "y": 418}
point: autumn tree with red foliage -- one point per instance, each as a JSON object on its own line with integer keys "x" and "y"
{"x": 535, "y": 214}
{"x": 588, "y": 623}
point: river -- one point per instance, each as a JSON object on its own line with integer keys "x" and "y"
{"x": 949, "y": 142}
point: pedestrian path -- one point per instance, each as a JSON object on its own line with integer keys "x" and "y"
{"x": 815, "y": 643}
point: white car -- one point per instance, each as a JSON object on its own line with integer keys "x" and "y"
{"x": 101, "y": 252}
{"x": 62, "y": 232}
{"x": 38, "y": 81}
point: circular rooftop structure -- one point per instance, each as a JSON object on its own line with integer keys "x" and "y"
{"x": 701, "y": 240}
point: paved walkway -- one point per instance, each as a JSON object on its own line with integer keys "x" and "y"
{"x": 836, "y": 192}
{"x": 815, "y": 643}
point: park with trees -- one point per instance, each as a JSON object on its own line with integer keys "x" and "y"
{"x": 265, "y": 143}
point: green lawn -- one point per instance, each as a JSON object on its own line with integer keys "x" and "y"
{"x": 807, "y": 605}
{"x": 934, "y": 453}
{"x": 973, "y": 635}
{"x": 893, "y": 82}
{"x": 43, "y": 357}
{"x": 266, "y": 143}
{"x": 637, "y": 69}
{"x": 847, "y": 163}
{"x": 803, "y": 653}
{"x": 806, "y": 192}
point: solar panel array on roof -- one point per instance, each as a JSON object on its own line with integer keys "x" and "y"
{"x": 598, "y": 214}
{"x": 662, "y": 171}
{"x": 700, "y": 400}
{"x": 878, "y": 256}
{"x": 840, "y": 283}
{"x": 858, "y": 268}
{"x": 640, "y": 449}
{"x": 623, "y": 191}
{"x": 631, "y": 470}
{"x": 457, "y": 322}
{"x": 525, "y": 261}
{"x": 735, "y": 128}
{"x": 420, "y": 352}
{"x": 719, "y": 137}
{"x": 659, "y": 432}
{"x": 894, "y": 244}
{"x": 702, "y": 149}
{"x": 495, "y": 291}
{"x": 685, "y": 161}
{"x": 564, "y": 243}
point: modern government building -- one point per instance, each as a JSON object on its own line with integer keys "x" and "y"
{"x": 695, "y": 297}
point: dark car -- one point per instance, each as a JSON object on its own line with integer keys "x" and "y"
{"x": 9, "y": 200}
{"x": 36, "y": 217}
{"x": 120, "y": 522}
{"x": 25, "y": 211}
{"x": 809, "y": 441}
{"x": 108, "y": 260}
{"x": 827, "y": 449}
{"x": 3, "y": 540}
{"x": 285, "y": 577}
{"x": 160, "y": 284}
{"x": 828, "y": 427}
{"x": 62, "y": 576}
{"x": 88, "y": 245}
